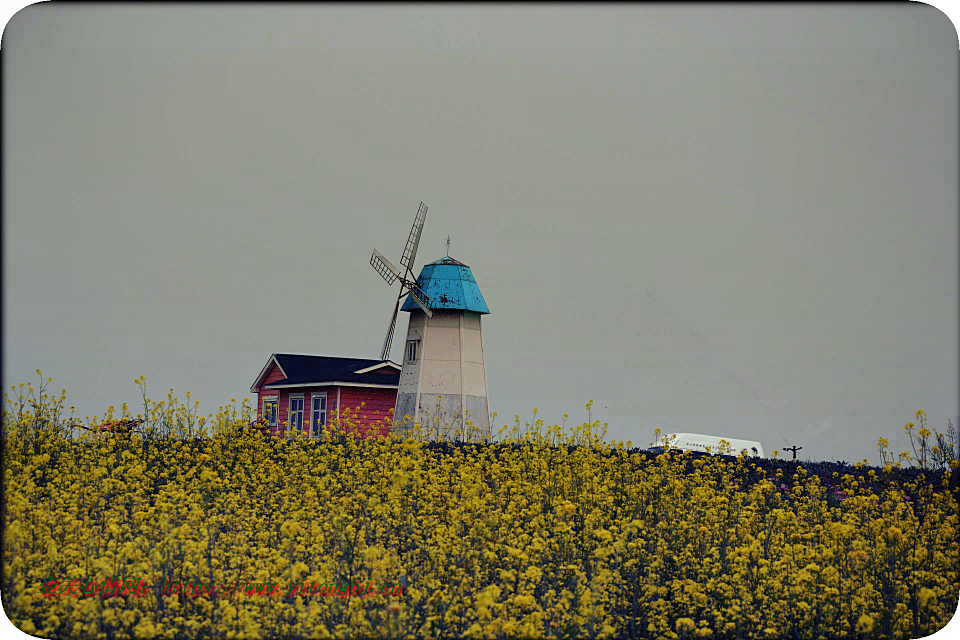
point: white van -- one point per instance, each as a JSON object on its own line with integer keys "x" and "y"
{"x": 699, "y": 442}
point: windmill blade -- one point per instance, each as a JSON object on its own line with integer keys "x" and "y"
{"x": 410, "y": 250}
{"x": 420, "y": 298}
{"x": 385, "y": 353}
{"x": 384, "y": 267}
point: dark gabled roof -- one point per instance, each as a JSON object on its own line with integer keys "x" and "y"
{"x": 301, "y": 369}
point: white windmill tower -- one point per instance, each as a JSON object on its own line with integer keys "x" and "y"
{"x": 443, "y": 381}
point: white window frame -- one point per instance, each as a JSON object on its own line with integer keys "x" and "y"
{"x": 275, "y": 400}
{"x": 411, "y": 352}
{"x": 315, "y": 430}
{"x": 291, "y": 427}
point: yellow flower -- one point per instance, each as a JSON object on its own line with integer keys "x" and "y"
{"x": 685, "y": 625}
{"x": 925, "y": 596}
{"x": 549, "y": 528}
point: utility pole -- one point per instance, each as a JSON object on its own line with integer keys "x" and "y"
{"x": 794, "y": 449}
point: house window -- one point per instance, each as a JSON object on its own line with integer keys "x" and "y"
{"x": 411, "y": 350}
{"x": 270, "y": 410}
{"x": 295, "y": 414}
{"x": 318, "y": 414}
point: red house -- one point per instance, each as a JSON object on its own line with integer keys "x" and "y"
{"x": 304, "y": 393}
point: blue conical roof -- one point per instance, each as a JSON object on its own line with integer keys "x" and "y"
{"x": 451, "y": 285}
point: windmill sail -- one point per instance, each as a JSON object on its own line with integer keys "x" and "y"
{"x": 420, "y": 298}
{"x": 413, "y": 241}
{"x": 385, "y": 353}
{"x": 391, "y": 274}
{"x": 384, "y": 267}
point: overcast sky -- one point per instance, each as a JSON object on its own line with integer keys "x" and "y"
{"x": 733, "y": 220}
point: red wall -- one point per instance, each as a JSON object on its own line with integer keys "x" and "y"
{"x": 377, "y": 409}
{"x": 370, "y": 419}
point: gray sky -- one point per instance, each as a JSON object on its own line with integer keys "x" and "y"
{"x": 735, "y": 220}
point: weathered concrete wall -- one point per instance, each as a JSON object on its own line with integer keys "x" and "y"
{"x": 478, "y": 412}
{"x": 447, "y": 382}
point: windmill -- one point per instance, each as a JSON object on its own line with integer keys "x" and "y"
{"x": 408, "y": 283}
{"x": 443, "y": 379}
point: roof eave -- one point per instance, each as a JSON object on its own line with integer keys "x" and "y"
{"x": 280, "y": 385}
{"x": 273, "y": 359}
{"x": 380, "y": 365}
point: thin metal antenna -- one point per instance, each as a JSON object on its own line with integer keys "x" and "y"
{"x": 448, "y": 246}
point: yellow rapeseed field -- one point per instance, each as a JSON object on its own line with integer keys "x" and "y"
{"x": 547, "y": 532}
